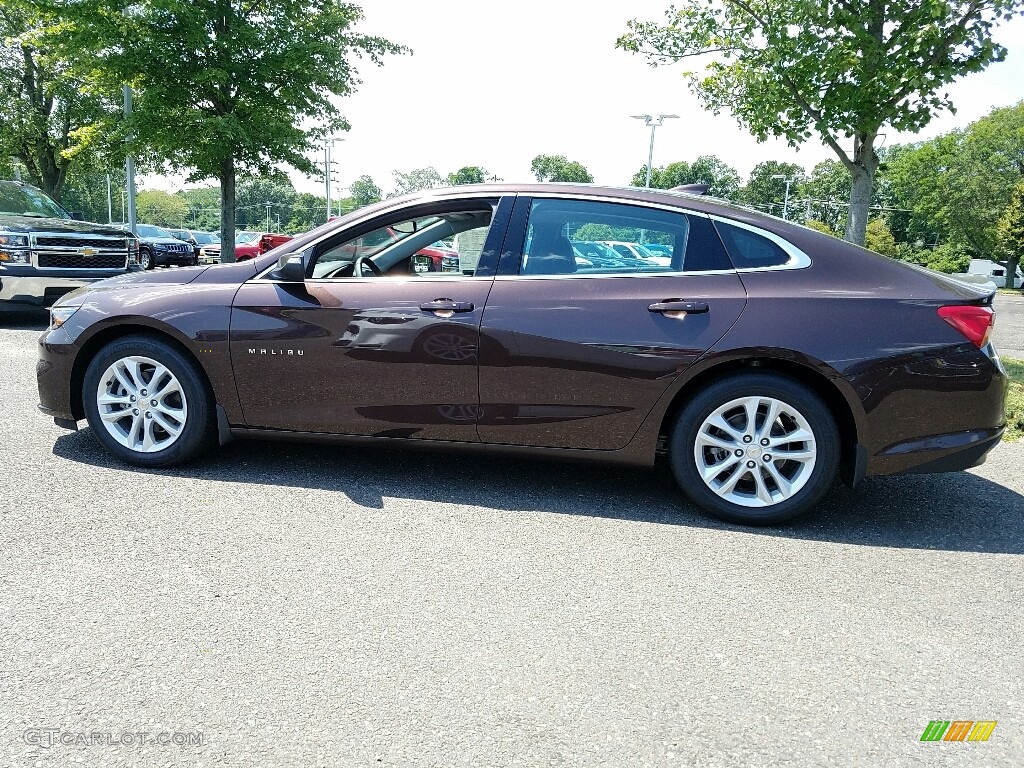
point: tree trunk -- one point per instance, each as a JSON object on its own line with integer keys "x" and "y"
{"x": 227, "y": 211}
{"x": 862, "y": 171}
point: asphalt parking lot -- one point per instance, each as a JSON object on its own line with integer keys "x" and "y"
{"x": 303, "y": 606}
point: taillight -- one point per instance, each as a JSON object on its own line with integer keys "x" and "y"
{"x": 973, "y": 322}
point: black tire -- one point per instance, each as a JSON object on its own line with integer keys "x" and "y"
{"x": 199, "y": 429}
{"x": 815, "y": 482}
{"x": 146, "y": 258}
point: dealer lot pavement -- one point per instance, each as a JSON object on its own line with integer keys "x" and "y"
{"x": 308, "y": 606}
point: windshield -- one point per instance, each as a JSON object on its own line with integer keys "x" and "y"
{"x": 148, "y": 230}
{"x": 246, "y": 237}
{"x": 20, "y": 200}
{"x": 205, "y": 238}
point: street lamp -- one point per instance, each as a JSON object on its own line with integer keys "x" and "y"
{"x": 652, "y": 121}
{"x": 785, "y": 202}
{"x": 328, "y": 145}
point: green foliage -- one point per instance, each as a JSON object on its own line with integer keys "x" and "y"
{"x": 1014, "y": 399}
{"x": 723, "y": 179}
{"x": 252, "y": 198}
{"x": 470, "y": 174}
{"x": 203, "y": 207}
{"x": 828, "y": 189}
{"x": 227, "y": 87}
{"x": 559, "y": 168}
{"x": 1010, "y": 234}
{"x": 161, "y": 208}
{"x": 879, "y": 239}
{"x": 416, "y": 180}
{"x": 365, "y": 191}
{"x": 50, "y": 122}
{"x": 763, "y": 190}
{"x": 958, "y": 184}
{"x": 820, "y": 226}
{"x": 793, "y": 69}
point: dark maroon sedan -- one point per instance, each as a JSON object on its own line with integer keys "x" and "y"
{"x": 766, "y": 359}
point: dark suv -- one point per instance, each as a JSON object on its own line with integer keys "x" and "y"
{"x": 158, "y": 248}
{"x": 46, "y": 252}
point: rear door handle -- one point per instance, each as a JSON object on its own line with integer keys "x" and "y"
{"x": 447, "y": 305}
{"x": 680, "y": 305}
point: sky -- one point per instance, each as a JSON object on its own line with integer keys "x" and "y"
{"x": 494, "y": 85}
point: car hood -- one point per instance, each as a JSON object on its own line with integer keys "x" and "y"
{"x": 162, "y": 240}
{"x": 139, "y": 280}
{"x": 35, "y": 224}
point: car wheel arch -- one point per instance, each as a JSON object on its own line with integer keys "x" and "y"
{"x": 837, "y": 395}
{"x": 108, "y": 334}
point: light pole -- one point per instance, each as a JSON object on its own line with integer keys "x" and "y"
{"x": 328, "y": 178}
{"x": 129, "y": 161}
{"x": 269, "y": 205}
{"x": 785, "y": 201}
{"x": 651, "y": 121}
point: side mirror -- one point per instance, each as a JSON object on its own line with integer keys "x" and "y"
{"x": 77, "y": 216}
{"x": 291, "y": 268}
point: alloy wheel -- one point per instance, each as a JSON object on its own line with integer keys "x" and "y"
{"x": 755, "y": 451}
{"x": 141, "y": 404}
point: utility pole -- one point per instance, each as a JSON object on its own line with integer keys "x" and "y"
{"x": 652, "y": 121}
{"x": 785, "y": 202}
{"x": 269, "y": 205}
{"x": 129, "y": 162}
{"x": 110, "y": 203}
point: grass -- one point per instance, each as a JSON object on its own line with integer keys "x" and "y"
{"x": 1014, "y": 399}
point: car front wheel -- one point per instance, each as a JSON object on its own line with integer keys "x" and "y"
{"x": 145, "y": 259}
{"x": 147, "y": 403}
{"x": 755, "y": 449}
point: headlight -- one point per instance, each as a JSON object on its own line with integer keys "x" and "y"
{"x": 14, "y": 248}
{"x": 60, "y": 315}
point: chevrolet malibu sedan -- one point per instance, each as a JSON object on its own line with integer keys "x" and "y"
{"x": 766, "y": 360}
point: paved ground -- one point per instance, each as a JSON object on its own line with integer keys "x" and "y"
{"x": 310, "y": 607}
{"x": 1009, "y": 331}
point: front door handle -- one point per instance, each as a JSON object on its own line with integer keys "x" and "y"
{"x": 447, "y": 305}
{"x": 681, "y": 306}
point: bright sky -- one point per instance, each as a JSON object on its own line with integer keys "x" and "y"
{"x": 496, "y": 84}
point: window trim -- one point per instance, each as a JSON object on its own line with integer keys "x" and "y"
{"x": 797, "y": 258}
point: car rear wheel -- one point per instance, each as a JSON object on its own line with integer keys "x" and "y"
{"x": 147, "y": 403}
{"x": 755, "y": 449}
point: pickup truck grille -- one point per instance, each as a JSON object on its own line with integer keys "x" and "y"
{"x": 53, "y": 241}
{"x": 74, "y": 251}
{"x": 75, "y": 261}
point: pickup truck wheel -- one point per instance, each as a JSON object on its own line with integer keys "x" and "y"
{"x": 147, "y": 403}
{"x": 755, "y": 449}
{"x": 145, "y": 258}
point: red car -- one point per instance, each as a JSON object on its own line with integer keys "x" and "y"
{"x": 249, "y": 245}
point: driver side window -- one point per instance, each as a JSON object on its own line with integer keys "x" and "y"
{"x": 445, "y": 244}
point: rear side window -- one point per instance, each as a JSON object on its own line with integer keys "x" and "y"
{"x": 749, "y": 250}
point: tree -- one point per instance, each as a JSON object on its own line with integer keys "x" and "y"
{"x": 161, "y": 208}
{"x": 1010, "y": 231}
{"x": 792, "y": 68}
{"x": 226, "y": 87}
{"x": 203, "y": 207}
{"x": 672, "y": 175}
{"x": 49, "y": 122}
{"x": 254, "y": 194}
{"x": 469, "y": 174}
{"x": 723, "y": 179}
{"x": 878, "y": 238}
{"x": 307, "y": 212}
{"x": 765, "y": 190}
{"x": 416, "y": 180}
{"x": 828, "y": 190}
{"x": 559, "y": 168}
{"x": 957, "y": 185}
{"x": 365, "y": 192}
